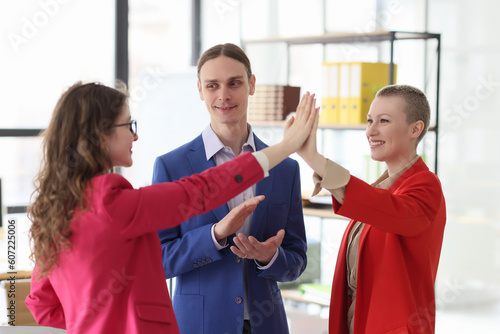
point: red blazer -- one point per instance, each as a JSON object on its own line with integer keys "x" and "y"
{"x": 398, "y": 254}
{"x": 112, "y": 280}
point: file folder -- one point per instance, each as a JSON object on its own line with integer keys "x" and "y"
{"x": 344, "y": 94}
{"x": 329, "y": 113}
{"x": 366, "y": 79}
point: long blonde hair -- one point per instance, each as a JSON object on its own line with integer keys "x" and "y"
{"x": 72, "y": 155}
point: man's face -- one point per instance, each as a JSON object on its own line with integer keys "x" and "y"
{"x": 225, "y": 87}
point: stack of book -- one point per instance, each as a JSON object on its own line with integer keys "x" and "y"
{"x": 273, "y": 103}
{"x": 348, "y": 90}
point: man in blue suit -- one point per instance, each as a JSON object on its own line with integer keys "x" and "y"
{"x": 227, "y": 270}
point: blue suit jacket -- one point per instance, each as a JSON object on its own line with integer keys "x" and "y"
{"x": 209, "y": 286}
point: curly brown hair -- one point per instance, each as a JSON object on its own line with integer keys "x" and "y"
{"x": 73, "y": 154}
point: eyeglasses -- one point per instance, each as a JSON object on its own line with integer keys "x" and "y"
{"x": 132, "y": 124}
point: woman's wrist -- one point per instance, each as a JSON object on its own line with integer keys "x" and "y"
{"x": 318, "y": 164}
{"x": 277, "y": 153}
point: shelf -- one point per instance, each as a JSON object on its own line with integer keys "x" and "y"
{"x": 280, "y": 124}
{"x": 299, "y": 297}
{"x": 375, "y": 36}
{"x": 323, "y": 211}
{"x": 343, "y": 126}
{"x": 269, "y": 124}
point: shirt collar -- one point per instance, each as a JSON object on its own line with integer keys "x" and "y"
{"x": 213, "y": 144}
{"x": 385, "y": 181}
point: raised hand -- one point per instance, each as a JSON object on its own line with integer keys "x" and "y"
{"x": 251, "y": 248}
{"x": 233, "y": 221}
{"x": 298, "y": 129}
{"x": 309, "y": 151}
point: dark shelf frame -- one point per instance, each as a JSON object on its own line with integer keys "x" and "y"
{"x": 20, "y": 132}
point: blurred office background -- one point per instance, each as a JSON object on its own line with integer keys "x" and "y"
{"x": 46, "y": 45}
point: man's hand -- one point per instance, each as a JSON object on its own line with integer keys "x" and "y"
{"x": 251, "y": 248}
{"x": 235, "y": 219}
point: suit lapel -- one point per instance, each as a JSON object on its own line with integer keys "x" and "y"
{"x": 197, "y": 158}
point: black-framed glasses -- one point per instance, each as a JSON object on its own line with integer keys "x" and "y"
{"x": 132, "y": 124}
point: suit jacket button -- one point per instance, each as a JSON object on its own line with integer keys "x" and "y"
{"x": 237, "y": 259}
{"x": 238, "y": 300}
{"x": 238, "y": 178}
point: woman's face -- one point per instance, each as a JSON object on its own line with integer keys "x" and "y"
{"x": 389, "y": 135}
{"x": 119, "y": 143}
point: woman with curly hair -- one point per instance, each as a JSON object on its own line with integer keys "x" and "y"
{"x": 97, "y": 254}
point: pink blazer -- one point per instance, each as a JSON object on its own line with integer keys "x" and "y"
{"x": 399, "y": 251}
{"x": 112, "y": 279}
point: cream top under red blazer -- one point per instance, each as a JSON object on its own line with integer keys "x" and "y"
{"x": 399, "y": 251}
{"x": 112, "y": 280}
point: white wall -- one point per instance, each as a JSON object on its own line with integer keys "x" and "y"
{"x": 470, "y": 159}
{"x": 45, "y": 46}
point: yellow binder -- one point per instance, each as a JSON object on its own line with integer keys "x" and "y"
{"x": 330, "y": 91}
{"x": 344, "y": 80}
{"x": 365, "y": 81}
{"x": 325, "y": 83}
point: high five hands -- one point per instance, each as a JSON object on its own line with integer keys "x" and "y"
{"x": 300, "y": 126}
{"x": 297, "y": 130}
{"x": 308, "y": 151}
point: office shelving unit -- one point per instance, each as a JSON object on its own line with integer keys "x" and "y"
{"x": 392, "y": 37}
{"x": 350, "y": 38}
